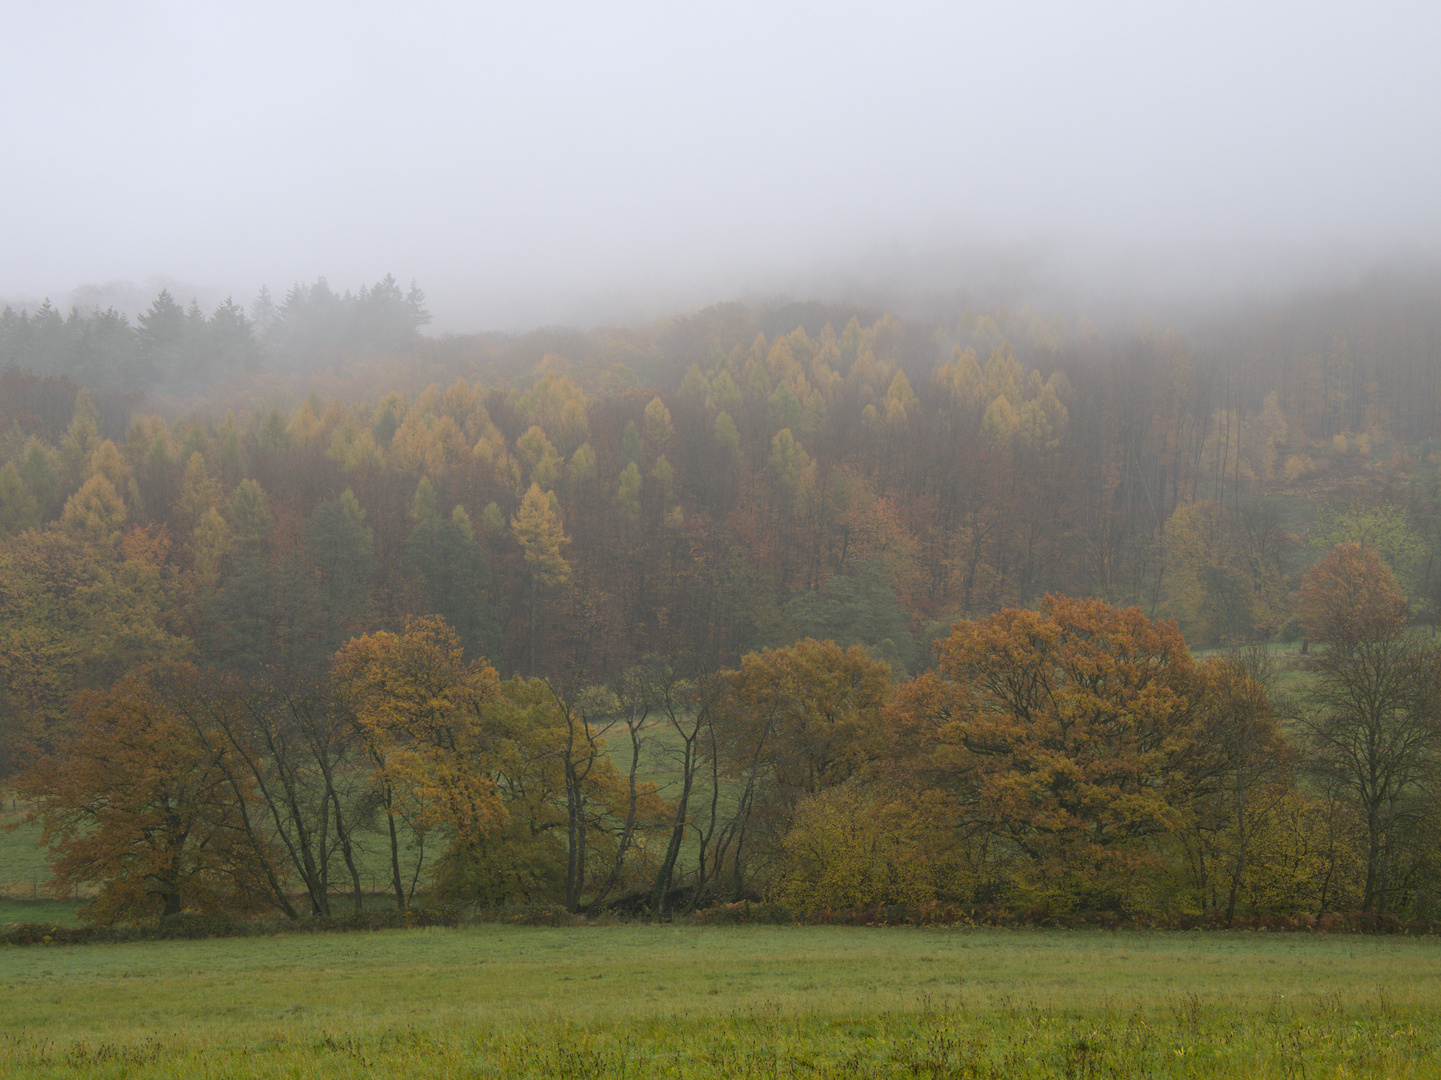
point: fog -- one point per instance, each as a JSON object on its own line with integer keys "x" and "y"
{"x": 568, "y": 163}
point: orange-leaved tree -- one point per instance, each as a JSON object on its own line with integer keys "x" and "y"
{"x": 135, "y": 801}
{"x": 1064, "y": 737}
{"x": 1350, "y": 597}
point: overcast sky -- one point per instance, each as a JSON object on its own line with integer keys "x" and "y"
{"x": 558, "y": 162}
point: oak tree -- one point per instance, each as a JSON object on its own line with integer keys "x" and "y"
{"x": 1064, "y": 734}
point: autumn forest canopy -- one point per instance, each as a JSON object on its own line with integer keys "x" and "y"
{"x": 803, "y": 602}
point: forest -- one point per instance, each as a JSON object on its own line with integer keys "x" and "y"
{"x": 831, "y": 607}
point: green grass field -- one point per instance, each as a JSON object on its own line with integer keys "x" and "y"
{"x": 23, "y": 862}
{"x": 25, "y": 873}
{"x": 648, "y": 1001}
{"x": 39, "y": 911}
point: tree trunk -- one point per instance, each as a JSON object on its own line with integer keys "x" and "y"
{"x": 1374, "y": 898}
{"x": 575, "y": 832}
{"x": 628, "y": 831}
{"x": 677, "y": 836}
{"x": 343, "y": 835}
{"x": 394, "y": 851}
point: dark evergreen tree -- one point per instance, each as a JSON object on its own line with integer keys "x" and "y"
{"x": 105, "y": 350}
{"x": 162, "y": 337}
{"x": 341, "y": 549}
{"x": 444, "y": 554}
{"x": 233, "y": 348}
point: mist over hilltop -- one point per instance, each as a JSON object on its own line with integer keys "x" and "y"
{"x": 567, "y": 165}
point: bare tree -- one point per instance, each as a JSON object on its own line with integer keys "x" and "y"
{"x": 1373, "y": 727}
{"x": 297, "y": 754}
{"x": 1374, "y": 709}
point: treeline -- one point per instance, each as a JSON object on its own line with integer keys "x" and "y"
{"x": 1071, "y": 760}
{"x": 786, "y": 487}
{"x": 185, "y": 350}
{"x": 871, "y": 486}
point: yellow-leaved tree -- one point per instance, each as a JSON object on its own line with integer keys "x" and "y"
{"x": 426, "y": 719}
{"x": 794, "y": 722}
{"x": 854, "y": 846}
{"x": 538, "y": 531}
{"x": 568, "y": 808}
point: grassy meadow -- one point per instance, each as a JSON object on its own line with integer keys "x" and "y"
{"x": 675, "y": 1000}
{"x": 25, "y": 872}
